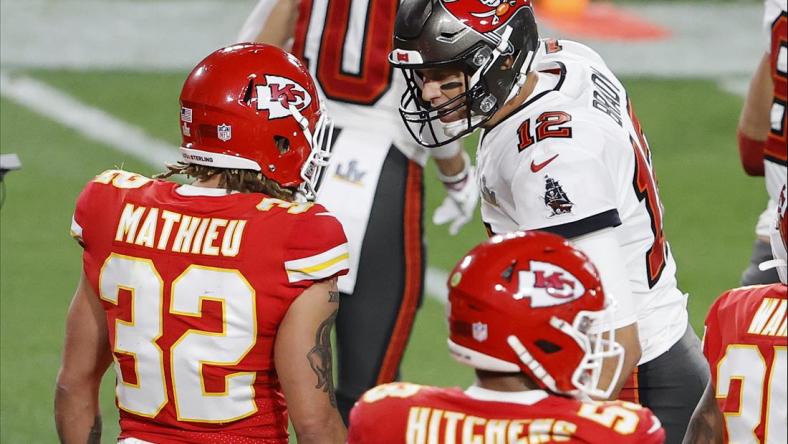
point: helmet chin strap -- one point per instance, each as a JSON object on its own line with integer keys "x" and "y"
{"x": 451, "y": 129}
{"x": 502, "y": 46}
{"x": 522, "y": 76}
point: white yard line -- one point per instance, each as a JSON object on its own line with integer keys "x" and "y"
{"x": 89, "y": 121}
{"x": 96, "y": 124}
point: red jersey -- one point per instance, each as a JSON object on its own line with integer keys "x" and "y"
{"x": 415, "y": 414}
{"x": 195, "y": 283}
{"x": 745, "y": 343}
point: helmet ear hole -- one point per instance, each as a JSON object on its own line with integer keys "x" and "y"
{"x": 282, "y": 144}
{"x": 249, "y": 91}
{"x": 547, "y": 346}
{"x": 509, "y": 271}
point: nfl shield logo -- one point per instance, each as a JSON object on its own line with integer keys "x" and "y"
{"x": 224, "y": 132}
{"x": 479, "y": 331}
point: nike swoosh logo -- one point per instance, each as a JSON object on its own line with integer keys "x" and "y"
{"x": 536, "y": 167}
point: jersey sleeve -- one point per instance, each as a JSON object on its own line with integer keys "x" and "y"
{"x": 603, "y": 249}
{"x": 712, "y": 339}
{"x": 103, "y": 190}
{"x": 572, "y": 194}
{"x": 86, "y": 206}
{"x": 317, "y": 248}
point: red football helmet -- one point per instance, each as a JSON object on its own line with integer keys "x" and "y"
{"x": 529, "y": 302}
{"x": 255, "y": 107}
{"x": 779, "y": 239}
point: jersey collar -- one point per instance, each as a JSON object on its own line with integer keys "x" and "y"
{"x": 527, "y": 397}
{"x": 191, "y": 190}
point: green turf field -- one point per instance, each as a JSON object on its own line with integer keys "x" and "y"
{"x": 710, "y": 211}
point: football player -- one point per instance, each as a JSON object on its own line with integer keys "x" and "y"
{"x": 745, "y": 343}
{"x": 213, "y": 301}
{"x": 762, "y": 131}
{"x": 561, "y": 151}
{"x": 527, "y": 311}
{"x": 375, "y": 186}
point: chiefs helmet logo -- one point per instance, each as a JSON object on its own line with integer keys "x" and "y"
{"x": 278, "y": 94}
{"x": 547, "y": 285}
{"x": 484, "y": 15}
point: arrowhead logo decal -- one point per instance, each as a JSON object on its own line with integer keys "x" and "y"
{"x": 278, "y": 94}
{"x": 547, "y": 285}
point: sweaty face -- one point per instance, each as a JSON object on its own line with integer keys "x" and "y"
{"x": 441, "y": 85}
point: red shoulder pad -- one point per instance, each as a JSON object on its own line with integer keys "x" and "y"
{"x": 94, "y": 198}
{"x": 317, "y": 248}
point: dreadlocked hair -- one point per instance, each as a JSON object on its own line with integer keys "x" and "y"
{"x": 243, "y": 181}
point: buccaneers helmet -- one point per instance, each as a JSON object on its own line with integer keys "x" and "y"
{"x": 492, "y": 42}
{"x": 530, "y": 302}
{"x": 255, "y": 107}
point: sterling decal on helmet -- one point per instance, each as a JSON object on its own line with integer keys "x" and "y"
{"x": 484, "y": 15}
{"x": 547, "y": 285}
{"x": 278, "y": 94}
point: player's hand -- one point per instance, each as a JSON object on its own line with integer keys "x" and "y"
{"x": 462, "y": 195}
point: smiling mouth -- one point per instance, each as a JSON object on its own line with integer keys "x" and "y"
{"x": 453, "y": 116}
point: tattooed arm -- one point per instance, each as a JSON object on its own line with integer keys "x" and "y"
{"x": 86, "y": 356}
{"x": 706, "y": 424}
{"x": 302, "y": 355}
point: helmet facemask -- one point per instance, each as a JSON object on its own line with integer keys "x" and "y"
{"x": 494, "y": 55}
{"x": 312, "y": 171}
{"x": 778, "y": 239}
{"x": 597, "y": 348}
{"x": 478, "y": 103}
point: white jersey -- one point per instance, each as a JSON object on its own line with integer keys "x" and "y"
{"x": 346, "y": 50}
{"x": 573, "y": 160}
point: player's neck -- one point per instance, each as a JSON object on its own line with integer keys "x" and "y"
{"x": 510, "y": 106}
{"x": 504, "y": 382}
{"x": 213, "y": 182}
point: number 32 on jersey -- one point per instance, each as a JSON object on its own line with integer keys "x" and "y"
{"x": 142, "y": 389}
